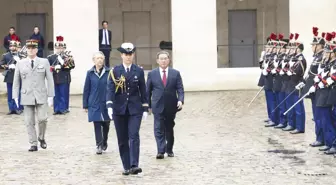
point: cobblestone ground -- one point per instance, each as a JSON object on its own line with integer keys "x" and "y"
{"x": 218, "y": 141}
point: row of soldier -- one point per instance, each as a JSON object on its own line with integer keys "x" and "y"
{"x": 287, "y": 83}
{"x": 61, "y": 63}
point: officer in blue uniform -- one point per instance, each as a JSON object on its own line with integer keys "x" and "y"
{"x": 61, "y": 78}
{"x": 317, "y": 48}
{"x": 70, "y": 64}
{"x": 297, "y": 67}
{"x": 127, "y": 104}
{"x": 268, "y": 84}
{"x": 8, "y": 63}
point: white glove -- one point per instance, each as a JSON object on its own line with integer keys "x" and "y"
{"x": 276, "y": 64}
{"x": 179, "y": 105}
{"x": 324, "y": 74}
{"x": 321, "y": 85}
{"x": 60, "y": 59}
{"x": 319, "y": 69}
{"x": 144, "y": 116}
{"x": 265, "y": 65}
{"x": 110, "y": 113}
{"x": 289, "y": 73}
{"x": 273, "y": 71}
{"x": 332, "y": 70}
{"x": 50, "y": 101}
{"x": 282, "y": 72}
{"x": 264, "y": 72}
{"x": 305, "y": 76}
{"x": 330, "y": 81}
{"x": 262, "y": 55}
{"x": 299, "y": 86}
{"x": 16, "y": 58}
{"x": 316, "y": 79}
{"x": 312, "y": 89}
{"x": 11, "y": 66}
{"x": 291, "y": 63}
{"x": 58, "y": 67}
{"x": 16, "y": 102}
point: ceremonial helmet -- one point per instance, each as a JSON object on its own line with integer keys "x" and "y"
{"x": 13, "y": 41}
{"x": 282, "y": 43}
{"x": 317, "y": 39}
{"x": 59, "y": 41}
{"x": 127, "y": 48}
{"x": 32, "y": 43}
{"x": 294, "y": 44}
{"x": 330, "y": 45}
{"x": 18, "y": 44}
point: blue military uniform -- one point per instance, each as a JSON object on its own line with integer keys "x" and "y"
{"x": 296, "y": 117}
{"x": 8, "y": 62}
{"x": 61, "y": 78}
{"x": 309, "y": 82}
{"x": 70, "y": 65}
{"x": 126, "y": 96}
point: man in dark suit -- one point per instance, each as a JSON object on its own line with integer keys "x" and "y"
{"x": 105, "y": 36}
{"x": 11, "y": 36}
{"x": 166, "y": 96}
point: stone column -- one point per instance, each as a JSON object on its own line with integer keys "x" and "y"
{"x": 194, "y": 37}
{"x": 77, "y": 21}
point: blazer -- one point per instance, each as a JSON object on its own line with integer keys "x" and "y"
{"x": 33, "y": 90}
{"x": 101, "y": 38}
{"x": 164, "y": 97}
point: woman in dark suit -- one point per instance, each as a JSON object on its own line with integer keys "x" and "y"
{"x": 38, "y": 36}
{"x": 94, "y": 100}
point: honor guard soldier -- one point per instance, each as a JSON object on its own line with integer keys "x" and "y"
{"x": 297, "y": 66}
{"x": 127, "y": 104}
{"x": 317, "y": 48}
{"x": 331, "y": 129}
{"x": 268, "y": 77}
{"x": 324, "y": 101}
{"x": 278, "y": 83}
{"x": 60, "y": 75}
{"x": 262, "y": 63}
{"x": 8, "y": 62}
{"x": 70, "y": 64}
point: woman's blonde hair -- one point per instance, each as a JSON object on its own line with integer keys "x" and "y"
{"x": 98, "y": 54}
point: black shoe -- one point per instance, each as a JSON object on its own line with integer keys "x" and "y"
{"x": 43, "y": 144}
{"x": 104, "y": 147}
{"x": 170, "y": 154}
{"x": 126, "y": 172}
{"x": 331, "y": 151}
{"x": 99, "y": 150}
{"x": 324, "y": 148}
{"x": 280, "y": 126}
{"x": 297, "y": 132}
{"x": 316, "y": 144}
{"x": 288, "y": 128}
{"x": 267, "y": 120}
{"x": 135, "y": 170}
{"x": 55, "y": 113}
{"x": 32, "y": 149}
{"x": 10, "y": 112}
{"x": 160, "y": 156}
{"x": 66, "y": 111}
{"x": 18, "y": 112}
{"x": 270, "y": 124}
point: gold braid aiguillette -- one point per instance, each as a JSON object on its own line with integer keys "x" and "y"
{"x": 119, "y": 83}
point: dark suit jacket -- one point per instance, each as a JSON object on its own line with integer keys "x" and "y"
{"x": 164, "y": 98}
{"x": 101, "y": 39}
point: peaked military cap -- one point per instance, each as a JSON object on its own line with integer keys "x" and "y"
{"x": 127, "y": 48}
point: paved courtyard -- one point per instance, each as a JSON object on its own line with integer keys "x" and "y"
{"x": 218, "y": 141}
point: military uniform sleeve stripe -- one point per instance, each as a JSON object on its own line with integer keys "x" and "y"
{"x": 109, "y": 102}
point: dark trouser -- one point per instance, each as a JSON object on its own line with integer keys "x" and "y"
{"x": 282, "y": 108}
{"x": 106, "y": 50}
{"x": 67, "y": 96}
{"x": 270, "y": 102}
{"x": 127, "y": 128}
{"x": 11, "y": 103}
{"x": 59, "y": 99}
{"x": 101, "y": 129}
{"x": 313, "y": 102}
{"x": 296, "y": 116}
{"x": 331, "y": 129}
{"x": 322, "y": 119}
{"x": 164, "y": 132}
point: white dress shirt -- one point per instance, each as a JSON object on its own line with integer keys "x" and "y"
{"x": 105, "y": 42}
{"x": 127, "y": 67}
{"x": 161, "y": 72}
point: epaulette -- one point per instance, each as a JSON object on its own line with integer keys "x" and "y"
{"x": 140, "y": 66}
{"x": 300, "y": 58}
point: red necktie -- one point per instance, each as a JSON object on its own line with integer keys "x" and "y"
{"x": 164, "y": 78}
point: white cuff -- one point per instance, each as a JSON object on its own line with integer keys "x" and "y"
{"x": 109, "y": 102}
